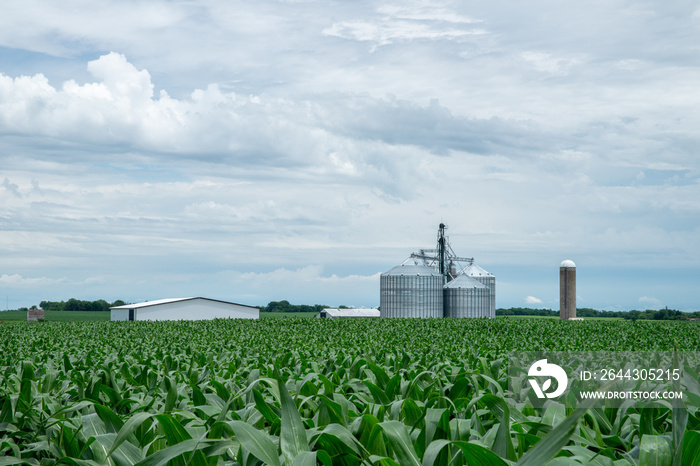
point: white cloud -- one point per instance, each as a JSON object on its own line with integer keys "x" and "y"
{"x": 429, "y": 11}
{"x": 121, "y": 79}
{"x": 650, "y": 302}
{"x": 120, "y": 108}
{"x": 18, "y": 281}
{"x": 293, "y": 284}
{"x": 546, "y": 63}
{"x": 407, "y": 22}
{"x": 32, "y": 24}
{"x": 11, "y": 188}
{"x": 532, "y": 300}
{"x": 387, "y": 32}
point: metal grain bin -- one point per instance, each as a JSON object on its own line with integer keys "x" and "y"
{"x": 488, "y": 279}
{"x": 411, "y": 290}
{"x": 467, "y": 297}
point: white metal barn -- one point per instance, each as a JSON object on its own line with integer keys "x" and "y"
{"x": 340, "y": 313}
{"x": 184, "y": 309}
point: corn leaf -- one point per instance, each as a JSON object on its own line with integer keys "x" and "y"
{"x": 162, "y": 457}
{"x": 655, "y": 450}
{"x": 691, "y": 448}
{"x": 555, "y": 440}
{"x": 129, "y": 428}
{"x": 476, "y": 454}
{"x": 400, "y": 442}
{"x": 502, "y": 445}
{"x": 292, "y": 434}
{"x": 256, "y": 442}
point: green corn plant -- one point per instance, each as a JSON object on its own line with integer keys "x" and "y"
{"x": 292, "y": 391}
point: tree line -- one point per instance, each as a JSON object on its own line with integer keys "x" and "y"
{"x": 102, "y": 305}
{"x": 79, "y": 305}
{"x": 285, "y": 306}
{"x": 649, "y": 314}
{"x": 580, "y": 312}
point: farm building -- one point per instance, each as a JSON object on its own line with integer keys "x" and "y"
{"x": 184, "y": 309}
{"x": 34, "y": 314}
{"x": 342, "y": 313}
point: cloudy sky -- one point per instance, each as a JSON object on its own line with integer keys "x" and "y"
{"x": 269, "y": 150}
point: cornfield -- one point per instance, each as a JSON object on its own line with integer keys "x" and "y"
{"x": 320, "y": 391}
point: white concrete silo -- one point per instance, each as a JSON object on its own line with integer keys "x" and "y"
{"x": 567, "y": 290}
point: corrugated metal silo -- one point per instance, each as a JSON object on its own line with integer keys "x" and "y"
{"x": 411, "y": 290}
{"x": 488, "y": 279}
{"x": 467, "y": 297}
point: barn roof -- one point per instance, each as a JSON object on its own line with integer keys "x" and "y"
{"x": 158, "y": 302}
{"x": 352, "y": 312}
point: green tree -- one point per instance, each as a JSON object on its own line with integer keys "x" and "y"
{"x": 74, "y": 305}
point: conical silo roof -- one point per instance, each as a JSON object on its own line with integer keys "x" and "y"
{"x": 474, "y": 270}
{"x": 464, "y": 281}
{"x": 413, "y": 267}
